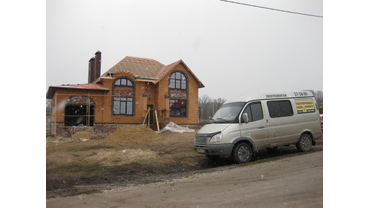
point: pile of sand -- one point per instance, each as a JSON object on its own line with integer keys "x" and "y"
{"x": 82, "y": 135}
{"x": 134, "y": 134}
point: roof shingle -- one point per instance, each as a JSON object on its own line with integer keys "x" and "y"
{"x": 146, "y": 69}
{"x": 92, "y": 86}
{"x": 138, "y": 67}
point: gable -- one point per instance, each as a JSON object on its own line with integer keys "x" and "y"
{"x": 169, "y": 68}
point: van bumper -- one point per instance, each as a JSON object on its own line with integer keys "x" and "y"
{"x": 214, "y": 149}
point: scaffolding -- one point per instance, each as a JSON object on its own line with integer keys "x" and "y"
{"x": 157, "y": 122}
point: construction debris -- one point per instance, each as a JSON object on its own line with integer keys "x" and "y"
{"x": 174, "y": 128}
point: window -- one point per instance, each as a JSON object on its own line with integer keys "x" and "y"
{"x": 254, "y": 111}
{"x": 178, "y": 94}
{"x": 228, "y": 113}
{"x": 123, "y": 82}
{"x": 178, "y": 81}
{"x": 178, "y": 108}
{"x": 280, "y": 108}
{"x": 122, "y": 106}
{"x": 123, "y": 91}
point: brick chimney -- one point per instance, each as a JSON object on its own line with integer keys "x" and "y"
{"x": 91, "y": 70}
{"x": 94, "y": 67}
{"x": 97, "y": 64}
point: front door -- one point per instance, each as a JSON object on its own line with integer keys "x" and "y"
{"x": 256, "y": 128}
{"x": 150, "y": 113}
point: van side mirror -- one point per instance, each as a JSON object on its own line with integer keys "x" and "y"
{"x": 245, "y": 117}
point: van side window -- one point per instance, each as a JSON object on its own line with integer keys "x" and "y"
{"x": 281, "y": 108}
{"x": 254, "y": 112}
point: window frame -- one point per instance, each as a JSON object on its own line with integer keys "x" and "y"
{"x": 182, "y": 81}
{"x": 178, "y": 111}
{"x": 178, "y": 81}
{"x": 282, "y": 113}
{"x": 250, "y": 115}
{"x": 118, "y": 100}
{"x": 122, "y": 100}
{"x": 121, "y": 80}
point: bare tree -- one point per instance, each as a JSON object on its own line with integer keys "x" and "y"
{"x": 204, "y": 105}
{"x": 208, "y": 106}
{"x": 319, "y": 97}
{"x": 217, "y": 103}
{"x": 48, "y": 106}
{"x": 313, "y": 92}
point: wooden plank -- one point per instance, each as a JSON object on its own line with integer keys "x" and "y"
{"x": 149, "y": 118}
{"x": 156, "y": 119}
{"x": 145, "y": 117}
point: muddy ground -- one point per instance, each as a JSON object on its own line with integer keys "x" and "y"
{"x": 75, "y": 167}
{"x": 295, "y": 181}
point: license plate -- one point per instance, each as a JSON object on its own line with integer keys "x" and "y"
{"x": 200, "y": 150}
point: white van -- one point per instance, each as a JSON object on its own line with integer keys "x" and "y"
{"x": 240, "y": 129}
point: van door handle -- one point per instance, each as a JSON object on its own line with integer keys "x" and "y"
{"x": 261, "y": 127}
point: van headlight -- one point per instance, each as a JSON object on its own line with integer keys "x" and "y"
{"x": 216, "y": 138}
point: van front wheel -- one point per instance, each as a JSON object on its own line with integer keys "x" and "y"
{"x": 242, "y": 153}
{"x": 304, "y": 143}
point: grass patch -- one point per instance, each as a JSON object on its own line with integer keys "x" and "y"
{"x": 87, "y": 148}
{"x": 144, "y": 161}
{"x": 189, "y": 151}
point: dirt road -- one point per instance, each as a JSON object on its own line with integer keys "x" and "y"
{"x": 288, "y": 182}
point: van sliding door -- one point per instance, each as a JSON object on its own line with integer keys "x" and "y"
{"x": 282, "y": 129}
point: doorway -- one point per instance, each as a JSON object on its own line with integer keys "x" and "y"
{"x": 150, "y": 113}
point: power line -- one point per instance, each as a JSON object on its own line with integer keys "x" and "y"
{"x": 279, "y": 10}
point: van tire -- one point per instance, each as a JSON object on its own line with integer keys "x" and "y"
{"x": 304, "y": 143}
{"x": 242, "y": 153}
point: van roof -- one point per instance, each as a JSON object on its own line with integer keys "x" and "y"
{"x": 269, "y": 96}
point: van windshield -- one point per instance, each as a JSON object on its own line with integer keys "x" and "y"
{"x": 228, "y": 113}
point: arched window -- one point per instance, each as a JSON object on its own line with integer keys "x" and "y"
{"x": 123, "y": 82}
{"x": 178, "y": 94}
{"x": 79, "y": 110}
{"x": 123, "y": 96}
{"x": 178, "y": 81}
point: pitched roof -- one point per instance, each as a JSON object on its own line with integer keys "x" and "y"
{"x": 144, "y": 69}
{"x": 138, "y": 67}
{"x": 93, "y": 86}
{"x": 167, "y": 68}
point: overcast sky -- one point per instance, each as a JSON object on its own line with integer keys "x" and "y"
{"x": 235, "y": 50}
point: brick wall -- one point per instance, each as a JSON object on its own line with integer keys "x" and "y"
{"x": 145, "y": 93}
{"x": 192, "y": 95}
